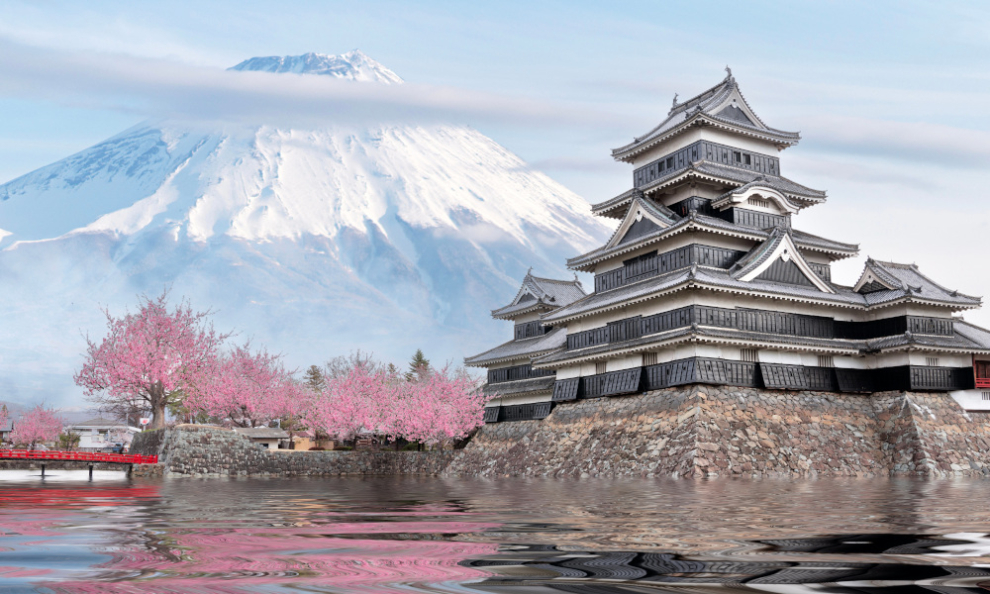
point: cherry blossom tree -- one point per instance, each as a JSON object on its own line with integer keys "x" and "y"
{"x": 39, "y": 424}
{"x": 150, "y": 359}
{"x": 430, "y": 409}
{"x": 440, "y": 406}
{"x": 355, "y": 402}
{"x": 250, "y": 389}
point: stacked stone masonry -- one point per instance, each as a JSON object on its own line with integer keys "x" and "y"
{"x": 688, "y": 431}
{"x": 212, "y": 452}
{"x": 705, "y": 431}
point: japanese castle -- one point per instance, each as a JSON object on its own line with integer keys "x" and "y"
{"x": 706, "y": 280}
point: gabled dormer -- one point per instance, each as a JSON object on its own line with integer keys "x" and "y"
{"x": 643, "y": 218}
{"x": 778, "y": 260}
{"x": 538, "y": 295}
{"x": 876, "y": 278}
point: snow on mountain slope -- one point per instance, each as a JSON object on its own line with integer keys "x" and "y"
{"x": 313, "y": 242}
{"x": 354, "y": 65}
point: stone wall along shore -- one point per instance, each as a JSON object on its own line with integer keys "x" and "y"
{"x": 191, "y": 450}
{"x": 707, "y": 431}
{"x": 688, "y": 431}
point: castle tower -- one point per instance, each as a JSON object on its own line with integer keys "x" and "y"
{"x": 707, "y": 280}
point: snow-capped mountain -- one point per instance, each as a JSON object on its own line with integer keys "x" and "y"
{"x": 354, "y": 65}
{"x": 313, "y": 242}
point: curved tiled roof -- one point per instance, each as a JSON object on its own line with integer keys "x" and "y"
{"x": 534, "y": 384}
{"x": 803, "y": 195}
{"x": 520, "y": 349}
{"x": 700, "y": 222}
{"x": 547, "y": 294}
{"x": 700, "y": 108}
{"x": 909, "y": 282}
{"x": 720, "y": 280}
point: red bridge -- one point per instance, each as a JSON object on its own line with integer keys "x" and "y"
{"x": 92, "y": 457}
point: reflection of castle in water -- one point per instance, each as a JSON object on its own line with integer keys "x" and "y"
{"x": 706, "y": 280}
{"x": 546, "y": 569}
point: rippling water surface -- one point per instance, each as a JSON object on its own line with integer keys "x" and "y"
{"x": 510, "y": 535}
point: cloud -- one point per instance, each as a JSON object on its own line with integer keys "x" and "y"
{"x": 935, "y": 144}
{"x": 165, "y": 88}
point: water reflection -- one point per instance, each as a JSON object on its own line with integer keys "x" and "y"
{"x": 432, "y": 535}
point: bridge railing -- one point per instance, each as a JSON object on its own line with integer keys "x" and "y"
{"x": 78, "y": 456}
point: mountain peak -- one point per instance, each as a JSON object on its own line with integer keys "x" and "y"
{"x": 354, "y": 65}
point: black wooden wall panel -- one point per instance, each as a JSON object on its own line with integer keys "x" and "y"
{"x": 937, "y": 326}
{"x": 785, "y": 272}
{"x": 855, "y": 380}
{"x": 752, "y": 218}
{"x": 492, "y": 414}
{"x": 530, "y": 329}
{"x": 709, "y": 151}
{"x": 640, "y": 228}
{"x": 518, "y": 372}
{"x": 525, "y": 412}
{"x": 653, "y": 264}
{"x": 612, "y": 383}
{"x": 566, "y": 389}
{"x": 923, "y": 377}
{"x": 752, "y": 320}
{"x": 693, "y": 204}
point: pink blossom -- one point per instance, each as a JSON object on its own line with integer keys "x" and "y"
{"x": 40, "y": 424}
{"x": 249, "y": 389}
{"x": 150, "y": 359}
{"x": 437, "y": 407}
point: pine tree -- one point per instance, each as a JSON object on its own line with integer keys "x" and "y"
{"x": 314, "y": 380}
{"x": 419, "y": 367}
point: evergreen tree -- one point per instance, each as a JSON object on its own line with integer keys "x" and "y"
{"x": 419, "y": 367}
{"x": 314, "y": 379}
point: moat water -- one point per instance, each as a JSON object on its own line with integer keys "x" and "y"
{"x": 512, "y": 535}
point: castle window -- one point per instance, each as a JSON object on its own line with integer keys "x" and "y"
{"x": 986, "y": 395}
{"x": 738, "y": 156}
{"x": 601, "y": 367}
{"x": 750, "y": 355}
{"x": 982, "y": 372}
{"x": 761, "y": 202}
{"x": 931, "y": 361}
{"x": 670, "y": 162}
{"x": 649, "y": 359}
{"x": 747, "y": 160}
{"x": 825, "y": 361}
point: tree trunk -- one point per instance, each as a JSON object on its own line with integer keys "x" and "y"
{"x": 157, "y": 393}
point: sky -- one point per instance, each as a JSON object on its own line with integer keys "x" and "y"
{"x": 891, "y": 98}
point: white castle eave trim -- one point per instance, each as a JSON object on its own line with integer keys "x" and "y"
{"x": 510, "y": 359}
{"x": 699, "y": 119}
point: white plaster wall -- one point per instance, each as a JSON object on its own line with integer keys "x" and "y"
{"x": 972, "y": 400}
{"x": 529, "y": 317}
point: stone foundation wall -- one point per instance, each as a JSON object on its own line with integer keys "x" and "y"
{"x": 699, "y": 430}
{"x": 208, "y": 451}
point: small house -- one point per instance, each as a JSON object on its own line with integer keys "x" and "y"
{"x": 267, "y": 437}
{"x": 102, "y": 434}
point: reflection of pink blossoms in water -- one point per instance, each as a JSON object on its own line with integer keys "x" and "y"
{"x": 214, "y": 560}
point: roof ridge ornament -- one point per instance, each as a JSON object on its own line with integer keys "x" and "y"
{"x": 675, "y": 100}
